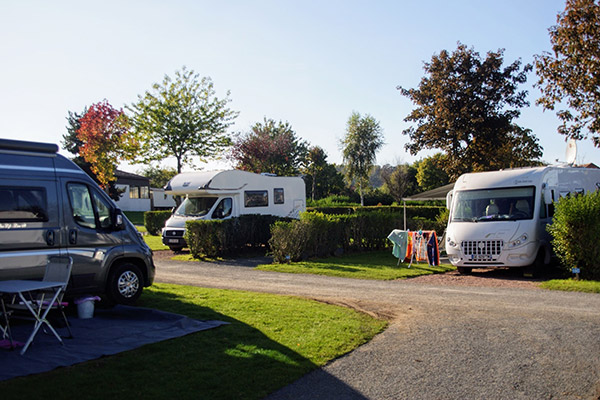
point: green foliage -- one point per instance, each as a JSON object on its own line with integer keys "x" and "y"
{"x": 466, "y": 107}
{"x": 270, "y": 147}
{"x": 212, "y": 238}
{"x": 430, "y": 172}
{"x": 364, "y": 137}
{"x": 332, "y": 201}
{"x": 575, "y": 230}
{"x": 181, "y": 118}
{"x": 154, "y": 221}
{"x": 158, "y": 176}
{"x": 322, "y": 179}
{"x": 318, "y": 234}
{"x": 400, "y": 181}
{"x": 136, "y": 217}
{"x": 569, "y": 75}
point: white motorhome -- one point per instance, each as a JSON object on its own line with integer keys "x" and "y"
{"x": 499, "y": 218}
{"x": 228, "y": 194}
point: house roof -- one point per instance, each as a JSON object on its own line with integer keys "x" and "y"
{"x": 127, "y": 178}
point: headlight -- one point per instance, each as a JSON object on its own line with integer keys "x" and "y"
{"x": 518, "y": 241}
{"x": 450, "y": 242}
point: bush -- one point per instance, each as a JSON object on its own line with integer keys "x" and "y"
{"x": 214, "y": 238}
{"x": 154, "y": 221}
{"x": 575, "y": 230}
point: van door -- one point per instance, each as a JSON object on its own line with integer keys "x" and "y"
{"x": 29, "y": 226}
{"x": 91, "y": 240}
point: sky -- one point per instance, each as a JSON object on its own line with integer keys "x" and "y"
{"x": 310, "y": 63}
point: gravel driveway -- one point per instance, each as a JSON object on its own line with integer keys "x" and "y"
{"x": 449, "y": 337}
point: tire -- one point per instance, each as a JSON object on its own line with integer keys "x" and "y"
{"x": 125, "y": 284}
{"x": 535, "y": 270}
{"x": 464, "y": 270}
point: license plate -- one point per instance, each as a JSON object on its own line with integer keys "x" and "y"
{"x": 173, "y": 240}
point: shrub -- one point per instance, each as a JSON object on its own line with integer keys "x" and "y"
{"x": 154, "y": 221}
{"x": 575, "y": 231}
{"x": 213, "y": 238}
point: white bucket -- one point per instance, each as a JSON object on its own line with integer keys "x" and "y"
{"x": 85, "y": 309}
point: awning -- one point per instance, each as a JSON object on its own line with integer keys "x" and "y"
{"x": 433, "y": 194}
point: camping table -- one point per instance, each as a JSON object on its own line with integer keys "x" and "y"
{"x": 38, "y": 309}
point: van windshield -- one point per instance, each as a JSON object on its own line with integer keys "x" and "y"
{"x": 494, "y": 204}
{"x": 195, "y": 206}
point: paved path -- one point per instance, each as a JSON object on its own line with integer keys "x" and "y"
{"x": 444, "y": 342}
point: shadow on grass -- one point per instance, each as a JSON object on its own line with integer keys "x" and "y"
{"x": 235, "y": 361}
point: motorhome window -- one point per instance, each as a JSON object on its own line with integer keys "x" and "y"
{"x": 81, "y": 205}
{"x": 256, "y": 198}
{"x": 278, "y": 197}
{"x": 494, "y": 204}
{"x": 196, "y": 206}
{"x": 223, "y": 209}
{"x": 23, "y": 204}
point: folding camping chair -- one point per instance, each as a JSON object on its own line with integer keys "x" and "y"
{"x": 58, "y": 269}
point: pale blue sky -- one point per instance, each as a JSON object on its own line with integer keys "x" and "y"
{"x": 311, "y": 63}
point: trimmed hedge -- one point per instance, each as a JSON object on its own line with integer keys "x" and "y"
{"x": 212, "y": 238}
{"x": 320, "y": 235}
{"x": 154, "y": 221}
{"x": 412, "y": 211}
{"x": 575, "y": 230}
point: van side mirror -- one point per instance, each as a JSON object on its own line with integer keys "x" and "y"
{"x": 118, "y": 220}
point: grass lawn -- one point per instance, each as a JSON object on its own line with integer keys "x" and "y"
{"x": 572, "y": 285}
{"x": 380, "y": 265}
{"x": 270, "y": 342}
{"x": 155, "y": 243}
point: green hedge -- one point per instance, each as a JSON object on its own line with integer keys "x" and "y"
{"x": 412, "y": 211}
{"x": 212, "y": 238}
{"x": 154, "y": 221}
{"x": 320, "y": 235}
{"x": 575, "y": 230}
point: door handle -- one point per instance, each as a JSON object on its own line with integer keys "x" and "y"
{"x": 73, "y": 236}
{"x": 50, "y": 238}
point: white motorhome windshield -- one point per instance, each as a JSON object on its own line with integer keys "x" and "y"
{"x": 195, "y": 206}
{"x": 493, "y": 204}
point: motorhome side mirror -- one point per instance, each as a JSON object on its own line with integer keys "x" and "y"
{"x": 548, "y": 195}
{"x": 449, "y": 199}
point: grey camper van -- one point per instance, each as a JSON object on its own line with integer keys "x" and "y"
{"x": 49, "y": 206}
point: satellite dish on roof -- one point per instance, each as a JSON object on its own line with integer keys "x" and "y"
{"x": 571, "y": 152}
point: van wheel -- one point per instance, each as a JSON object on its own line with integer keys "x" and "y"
{"x": 464, "y": 270}
{"x": 125, "y": 284}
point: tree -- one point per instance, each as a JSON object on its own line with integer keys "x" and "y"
{"x": 466, "y": 106}
{"x": 181, "y": 118}
{"x": 430, "y": 172}
{"x": 270, "y": 147}
{"x": 363, "y": 139}
{"x": 571, "y": 75}
{"x": 322, "y": 179}
{"x": 400, "y": 181}
{"x": 158, "y": 176}
{"x": 104, "y": 136}
{"x": 73, "y": 144}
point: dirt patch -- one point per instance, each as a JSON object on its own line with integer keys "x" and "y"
{"x": 487, "y": 277}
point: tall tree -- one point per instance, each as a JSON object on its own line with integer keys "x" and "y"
{"x": 571, "y": 76}
{"x": 364, "y": 137}
{"x": 316, "y": 163}
{"x": 430, "y": 172}
{"x": 400, "y": 181}
{"x": 322, "y": 179}
{"x": 182, "y": 118}
{"x": 73, "y": 145}
{"x": 105, "y": 141}
{"x": 271, "y": 147}
{"x": 465, "y": 106}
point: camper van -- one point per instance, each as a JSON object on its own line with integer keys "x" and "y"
{"x": 228, "y": 194}
{"x": 499, "y": 218}
{"x": 50, "y": 207}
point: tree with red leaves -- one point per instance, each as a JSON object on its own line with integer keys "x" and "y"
{"x": 103, "y": 132}
{"x": 270, "y": 147}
